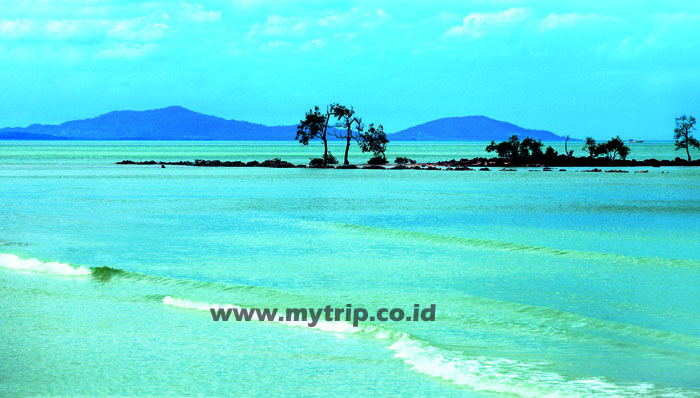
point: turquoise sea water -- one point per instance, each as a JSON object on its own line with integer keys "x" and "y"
{"x": 557, "y": 284}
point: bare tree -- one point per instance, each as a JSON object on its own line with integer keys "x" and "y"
{"x": 683, "y": 134}
{"x": 346, "y": 120}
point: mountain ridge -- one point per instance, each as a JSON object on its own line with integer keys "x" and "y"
{"x": 179, "y": 123}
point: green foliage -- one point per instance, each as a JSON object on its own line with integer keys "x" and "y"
{"x": 612, "y": 148}
{"x": 316, "y": 162}
{"x": 276, "y": 162}
{"x": 311, "y": 127}
{"x": 374, "y": 140}
{"x": 591, "y": 147}
{"x": 315, "y": 125}
{"x": 683, "y": 134}
{"x": 550, "y": 152}
{"x": 506, "y": 149}
{"x": 378, "y": 160}
{"x": 530, "y": 147}
{"x": 404, "y": 160}
{"x": 514, "y": 148}
{"x": 330, "y": 159}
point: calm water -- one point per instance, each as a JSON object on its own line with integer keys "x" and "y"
{"x": 546, "y": 284}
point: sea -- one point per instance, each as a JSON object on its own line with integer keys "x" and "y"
{"x": 545, "y": 284}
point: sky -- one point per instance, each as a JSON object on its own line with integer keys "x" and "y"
{"x": 584, "y": 68}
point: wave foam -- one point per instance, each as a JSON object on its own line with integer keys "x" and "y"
{"x": 505, "y": 376}
{"x": 496, "y": 375}
{"x": 10, "y": 261}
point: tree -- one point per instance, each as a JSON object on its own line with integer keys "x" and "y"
{"x": 612, "y": 148}
{"x": 531, "y": 147}
{"x": 374, "y": 140}
{"x": 683, "y": 134}
{"x": 566, "y": 147}
{"x": 590, "y": 147}
{"x": 514, "y": 148}
{"x": 506, "y": 149}
{"x": 550, "y": 152}
{"x": 315, "y": 125}
{"x": 346, "y": 118}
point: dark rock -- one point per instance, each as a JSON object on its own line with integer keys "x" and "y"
{"x": 276, "y": 163}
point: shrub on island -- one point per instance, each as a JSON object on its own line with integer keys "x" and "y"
{"x": 404, "y": 160}
{"x": 276, "y": 163}
{"x": 318, "y": 162}
{"x": 375, "y": 160}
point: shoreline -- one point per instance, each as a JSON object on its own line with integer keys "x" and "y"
{"x": 481, "y": 164}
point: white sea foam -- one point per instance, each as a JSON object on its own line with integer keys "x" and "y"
{"x": 11, "y": 261}
{"x": 506, "y": 376}
{"x": 193, "y": 305}
{"x": 499, "y": 375}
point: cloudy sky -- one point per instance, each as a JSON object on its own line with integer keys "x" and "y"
{"x": 593, "y": 67}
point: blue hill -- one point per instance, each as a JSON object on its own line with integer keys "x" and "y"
{"x": 178, "y": 123}
{"x": 469, "y": 128}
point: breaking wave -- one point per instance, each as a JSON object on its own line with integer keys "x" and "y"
{"x": 10, "y": 261}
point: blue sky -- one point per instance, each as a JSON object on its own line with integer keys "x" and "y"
{"x": 598, "y": 68}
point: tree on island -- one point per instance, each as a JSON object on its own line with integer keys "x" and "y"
{"x": 315, "y": 125}
{"x": 612, "y": 148}
{"x": 530, "y": 147}
{"x": 591, "y": 147}
{"x": 514, "y": 148}
{"x": 374, "y": 140}
{"x": 347, "y": 119}
{"x": 567, "y": 152}
{"x": 550, "y": 152}
{"x": 683, "y": 134}
{"x": 506, "y": 149}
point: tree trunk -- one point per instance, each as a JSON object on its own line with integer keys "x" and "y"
{"x": 347, "y": 148}
{"x": 687, "y": 150}
{"x": 325, "y": 139}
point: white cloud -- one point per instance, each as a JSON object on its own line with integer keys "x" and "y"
{"x": 12, "y": 29}
{"x": 233, "y": 49}
{"x": 75, "y": 28}
{"x": 554, "y": 20}
{"x": 314, "y": 44}
{"x": 123, "y": 50}
{"x": 197, "y": 13}
{"x": 274, "y": 45}
{"x": 137, "y": 29}
{"x": 682, "y": 18}
{"x": 276, "y": 25}
{"x": 355, "y": 17}
{"x": 476, "y": 25}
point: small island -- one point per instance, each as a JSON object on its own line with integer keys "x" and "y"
{"x": 512, "y": 153}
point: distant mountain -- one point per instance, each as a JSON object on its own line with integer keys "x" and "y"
{"x": 178, "y": 123}
{"x": 469, "y": 128}
{"x": 12, "y": 135}
{"x": 172, "y": 123}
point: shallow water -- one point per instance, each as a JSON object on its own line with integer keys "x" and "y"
{"x": 92, "y": 152}
{"x": 546, "y": 284}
